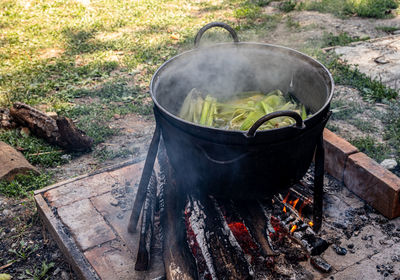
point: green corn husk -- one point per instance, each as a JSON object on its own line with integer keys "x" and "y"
{"x": 184, "y": 112}
{"x": 241, "y": 112}
{"x": 204, "y": 111}
{"x": 303, "y": 112}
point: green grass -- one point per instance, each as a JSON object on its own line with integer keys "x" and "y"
{"x": 342, "y": 39}
{"x": 24, "y": 185}
{"x": 369, "y": 146}
{"x": 287, "y": 6}
{"x": 387, "y": 29}
{"x": 361, "y": 8}
{"x": 35, "y": 150}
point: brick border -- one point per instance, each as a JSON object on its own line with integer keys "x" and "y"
{"x": 362, "y": 175}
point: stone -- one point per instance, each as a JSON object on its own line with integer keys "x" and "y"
{"x": 373, "y": 183}
{"x": 13, "y": 163}
{"x": 86, "y": 225}
{"x": 7, "y": 212}
{"x": 389, "y": 164}
{"x": 337, "y": 151}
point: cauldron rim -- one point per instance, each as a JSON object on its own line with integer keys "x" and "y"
{"x": 305, "y": 57}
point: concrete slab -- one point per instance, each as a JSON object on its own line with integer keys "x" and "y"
{"x": 378, "y": 58}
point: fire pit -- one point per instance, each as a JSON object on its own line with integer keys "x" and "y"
{"x": 239, "y": 164}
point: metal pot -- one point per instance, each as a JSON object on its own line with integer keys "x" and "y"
{"x": 241, "y": 164}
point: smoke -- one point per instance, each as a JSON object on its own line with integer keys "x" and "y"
{"x": 224, "y": 70}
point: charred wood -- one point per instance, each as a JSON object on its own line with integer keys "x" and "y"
{"x": 320, "y": 264}
{"x": 146, "y": 230}
{"x": 61, "y": 132}
{"x": 257, "y": 224}
{"x": 178, "y": 261}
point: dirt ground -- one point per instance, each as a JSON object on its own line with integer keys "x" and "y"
{"x": 16, "y": 216}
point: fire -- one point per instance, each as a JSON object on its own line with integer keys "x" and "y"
{"x": 286, "y": 197}
{"x": 295, "y": 203}
{"x": 294, "y": 227}
{"x": 284, "y": 209}
{"x": 310, "y": 223}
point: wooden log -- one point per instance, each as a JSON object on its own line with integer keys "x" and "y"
{"x": 178, "y": 261}
{"x": 13, "y": 163}
{"x": 146, "y": 228}
{"x": 61, "y": 132}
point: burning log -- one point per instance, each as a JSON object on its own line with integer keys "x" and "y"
{"x": 61, "y": 132}
{"x": 178, "y": 261}
{"x": 146, "y": 231}
{"x": 226, "y": 259}
{"x": 243, "y": 227}
{"x": 256, "y": 222}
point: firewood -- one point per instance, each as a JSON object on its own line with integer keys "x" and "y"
{"x": 13, "y": 162}
{"x": 146, "y": 230}
{"x": 178, "y": 261}
{"x": 61, "y": 132}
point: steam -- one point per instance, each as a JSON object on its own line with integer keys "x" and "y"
{"x": 224, "y": 70}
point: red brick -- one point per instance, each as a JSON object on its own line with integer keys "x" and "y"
{"x": 373, "y": 183}
{"x": 86, "y": 225}
{"x": 337, "y": 151}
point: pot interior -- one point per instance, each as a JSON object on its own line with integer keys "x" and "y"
{"x": 226, "y": 69}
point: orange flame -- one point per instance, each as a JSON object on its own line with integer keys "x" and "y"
{"x": 310, "y": 223}
{"x": 284, "y": 209}
{"x": 286, "y": 198}
{"x": 295, "y": 203}
{"x": 294, "y": 227}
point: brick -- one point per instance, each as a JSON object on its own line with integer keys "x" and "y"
{"x": 114, "y": 261}
{"x": 373, "y": 183}
{"x": 86, "y": 225}
{"x": 337, "y": 151}
{"x": 81, "y": 189}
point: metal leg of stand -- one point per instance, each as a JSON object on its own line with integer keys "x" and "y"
{"x": 318, "y": 184}
{"x": 144, "y": 180}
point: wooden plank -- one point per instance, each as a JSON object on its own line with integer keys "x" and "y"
{"x": 74, "y": 256}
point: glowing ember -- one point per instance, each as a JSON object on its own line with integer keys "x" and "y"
{"x": 310, "y": 223}
{"x": 294, "y": 227}
{"x": 244, "y": 239}
{"x": 284, "y": 209}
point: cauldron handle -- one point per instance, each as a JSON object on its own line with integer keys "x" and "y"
{"x": 260, "y": 121}
{"x": 211, "y": 25}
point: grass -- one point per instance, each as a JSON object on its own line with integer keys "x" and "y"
{"x": 342, "y": 39}
{"x": 361, "y": 8}
{"x": 387, "y": 29}
{"x": 35, "y": 150}
{"x": 23, "y": 185}
{"x": 369, "y": 146}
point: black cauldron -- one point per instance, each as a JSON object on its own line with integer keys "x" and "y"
{"x": 238, "y": 164}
